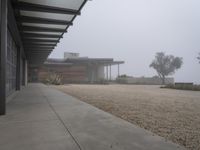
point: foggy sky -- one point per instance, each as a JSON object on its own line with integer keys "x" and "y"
{"x": 134, "y": 30}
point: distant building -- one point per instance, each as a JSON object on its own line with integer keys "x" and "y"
{"x": 70, "y": 55}
{"x": 75, "y": 69}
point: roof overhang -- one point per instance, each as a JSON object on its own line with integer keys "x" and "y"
{"x": 83, "y": 61}
{"x": 42, "y": 24}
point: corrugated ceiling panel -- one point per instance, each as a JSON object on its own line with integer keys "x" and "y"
{"x": 47, "y": 15}
{"x": 71, "y": 4}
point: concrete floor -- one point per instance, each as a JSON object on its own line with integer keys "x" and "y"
{"x": 42, "y": 118}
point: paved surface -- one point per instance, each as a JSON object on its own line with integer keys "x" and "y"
{"x": 42, "y": 118}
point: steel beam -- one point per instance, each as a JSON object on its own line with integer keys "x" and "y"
{"x": 38, "y": 44}
{"x": 42, "y": 29}
{"x": 37, "y": 47}
{"x": 40, "y": 40}
{"x": 26, "y": 19}
{"x": 38, "y": 52}
{"x": 27, "y": 35}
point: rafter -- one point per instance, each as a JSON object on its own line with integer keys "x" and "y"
{"x": 38, "y": 44}
{"x": 42, "y": 29}
{"x": 40, "y": 35}
{"x": 39, "y": 40}
{"x": 37, "y": 47}
{"x": 26, "y": 19}
{"x": 41, "y": 52}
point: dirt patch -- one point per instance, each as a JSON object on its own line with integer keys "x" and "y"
{"x": 172, "y": 114}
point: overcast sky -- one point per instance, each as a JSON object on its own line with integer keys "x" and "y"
{"x": 134, "y": 30}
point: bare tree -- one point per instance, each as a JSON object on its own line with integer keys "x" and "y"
{"x": 198, "y": 57}
{"x": 166, "y": 65}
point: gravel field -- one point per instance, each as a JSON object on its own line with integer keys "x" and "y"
{"x": 173, "y": 114}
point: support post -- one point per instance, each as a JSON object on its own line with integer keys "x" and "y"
{"x": 24, "y": 72}
{"x": 107, "y": 73}
{"x": 3, "y": 51}
{"x": 18, "y": 71}
{"x": 118, "y": 70}
{"x": 110, "y": 73}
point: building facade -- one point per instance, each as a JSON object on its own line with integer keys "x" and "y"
{"x": 74, "y": 69}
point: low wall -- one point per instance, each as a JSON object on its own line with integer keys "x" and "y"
{"x": 143, "y": 80}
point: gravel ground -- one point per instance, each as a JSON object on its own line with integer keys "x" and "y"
{"x": 173, "y": 114}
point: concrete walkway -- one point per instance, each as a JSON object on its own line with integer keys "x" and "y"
{"x": 42, "y": 118}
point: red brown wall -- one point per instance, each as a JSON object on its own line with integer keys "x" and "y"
{"x": 69, "y": 74}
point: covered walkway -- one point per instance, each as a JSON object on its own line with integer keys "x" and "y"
{"x": 42, "y": 118}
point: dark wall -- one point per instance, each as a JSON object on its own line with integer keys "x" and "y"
{"x": 15, "y": 54}
{"x": 15, "y": 34}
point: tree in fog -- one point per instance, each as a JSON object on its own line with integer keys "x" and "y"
{"x": 198, "y": 57}
{"x": 166, "y": 65}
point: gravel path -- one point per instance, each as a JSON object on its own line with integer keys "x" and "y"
{"x": 173, "y": 114}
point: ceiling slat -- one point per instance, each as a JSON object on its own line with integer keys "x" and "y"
{"x": 39, "y": 40}
{"x": 38, "y": 44}
{"x": 26, "y": 19}
{"x": 44, "y": 8}
{"x": 39, "y": 48}
{"x": 40, "y": 35}
{"x": 42, "y": 29}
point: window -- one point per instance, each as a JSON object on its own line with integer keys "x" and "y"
{"x": 11, "y": 64}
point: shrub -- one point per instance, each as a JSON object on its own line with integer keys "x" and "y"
{"x": 102, "y": 81}
{"x": 54, "y": 79}
{"x": 123, "y": 76}
{"x": 121, "y": 80}
{"x": 196, "y": 87}
{"x": 183, "y": 87}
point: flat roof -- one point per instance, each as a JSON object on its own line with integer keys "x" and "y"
{"x": 80, "y": 60}
{"x": 42, "y": 24}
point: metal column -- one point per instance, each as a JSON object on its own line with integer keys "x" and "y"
{"x": 110, "y": 73}
{"x": 23, "y": 72}
{"x": 18, "y": 71}
{"x": 118, "y": 70}
{"x": 3, "y": 51}
{"x": 107, "y": 73}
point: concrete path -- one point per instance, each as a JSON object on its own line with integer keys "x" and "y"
{"x": 42, "y": 118}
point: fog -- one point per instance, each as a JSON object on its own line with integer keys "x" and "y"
{"x": 134, "y": 30}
